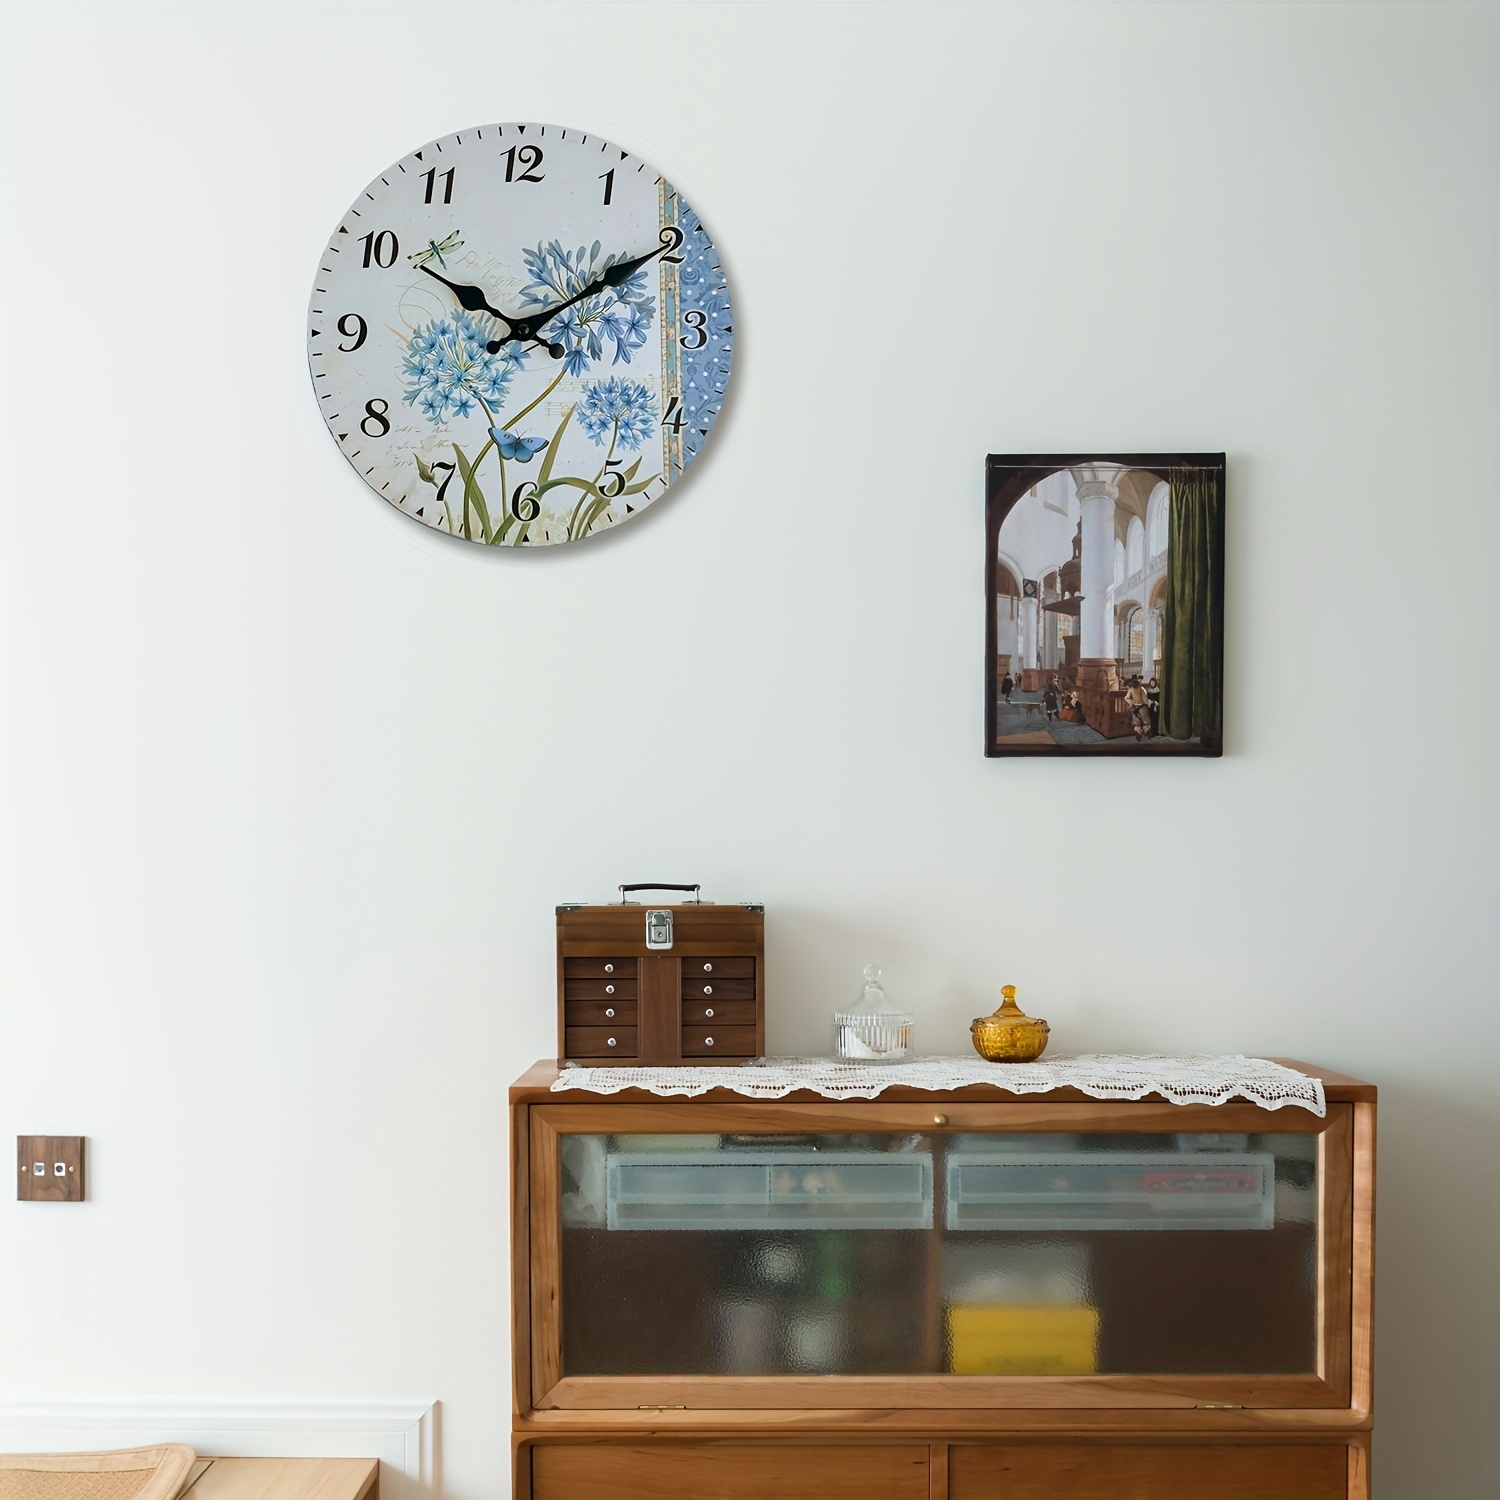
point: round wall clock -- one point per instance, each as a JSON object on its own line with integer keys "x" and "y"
{"x": 520, "y": 335}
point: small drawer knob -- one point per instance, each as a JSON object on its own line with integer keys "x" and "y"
{"x": 708, "y": 968}
{"x": 609, "y": 989}
{"x": 708, "y": 989}
{"x": 611, "y": 1041}
{"x": 940, "y": 1119}
{"x": 708, "y": 1041}
{"x": 609, "y": 1010}
{"x": 609, "y": 968}
{"x": 708, "y": 1012}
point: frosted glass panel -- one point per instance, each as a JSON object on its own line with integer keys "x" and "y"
{"x": 971, "y": 1254}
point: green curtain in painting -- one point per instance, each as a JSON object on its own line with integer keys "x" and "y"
{"x": 1192, "y": 697}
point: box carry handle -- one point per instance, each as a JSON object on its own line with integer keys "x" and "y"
{"x": 656, "y": 885}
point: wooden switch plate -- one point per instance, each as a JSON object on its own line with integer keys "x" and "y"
{"x": 49, "y": 1168}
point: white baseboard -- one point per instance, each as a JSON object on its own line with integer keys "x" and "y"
{"x": 399, "y": 1433}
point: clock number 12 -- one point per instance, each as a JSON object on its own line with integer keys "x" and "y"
{"x": 526, "y": 157}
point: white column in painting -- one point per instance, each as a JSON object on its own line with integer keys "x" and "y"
{"x": 1097, "y": 498}
{"x": 1028, "y": 632}
{"x": 1148, "y": 646}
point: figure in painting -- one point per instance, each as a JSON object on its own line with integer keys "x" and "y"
{"x": 1140, "y": 713}
{"x": 1007, "y": 686}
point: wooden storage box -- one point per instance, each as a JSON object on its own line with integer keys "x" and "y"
{"x": 657, "y": 985}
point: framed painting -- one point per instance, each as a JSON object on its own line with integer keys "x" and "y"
{"x": 1104, "y": 604}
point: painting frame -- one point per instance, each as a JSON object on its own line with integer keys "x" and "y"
{"x": 1185, "y": 714}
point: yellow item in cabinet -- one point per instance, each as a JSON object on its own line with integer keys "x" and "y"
{"x": 1015, "y": 1339}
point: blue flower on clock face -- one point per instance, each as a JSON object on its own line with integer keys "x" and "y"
{"x": 616, "y": 410}
{"x": 449, "y": 371}
{"x": 620, "y": 315}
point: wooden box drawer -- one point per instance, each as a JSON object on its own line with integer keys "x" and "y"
{"x": 691, "y": 953}
{"x": 710, "y": 986}
{"x": 600, "y": 1041}
{"x": 717, "y": 968}
{"x": 599, "y": 968}
{"x": 713, "y": 1040}
{"x": 604, "y": 988}
{"x": 607, "y": 1013}
{"x": 729, "y": 1471}
{"x": 1141, "y": 1471}
{"x": 698, "y": 1013}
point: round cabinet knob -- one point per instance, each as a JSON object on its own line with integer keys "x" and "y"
{"x": 940, "y": 1119}
{"x": 609, "y": 1011}
{"x": 708, "y": 989}
{"x": 708, "y": 1013}
{"x": 708, "y": 1041}
{"x": 708, "y": 968}
{"x": 609, "y": 989}
{"x": 611, "y": 1041}
{"x": 609, "y": 968}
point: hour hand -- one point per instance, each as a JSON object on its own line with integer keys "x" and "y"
{"x": 470, "y": 298}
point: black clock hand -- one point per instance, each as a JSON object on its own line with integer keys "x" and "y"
{"x": 616, "y": 275}
{"x": 471, "y": 299}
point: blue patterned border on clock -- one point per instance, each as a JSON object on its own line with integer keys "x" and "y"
{"x": 702, "y": 287}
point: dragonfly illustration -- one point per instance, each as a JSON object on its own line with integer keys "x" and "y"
{"x": 436, "y": 250}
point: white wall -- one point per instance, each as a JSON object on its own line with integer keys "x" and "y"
{"x": 295, "y": 785}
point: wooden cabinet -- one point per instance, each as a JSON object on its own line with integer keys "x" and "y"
{"x": 964, "y": 1295}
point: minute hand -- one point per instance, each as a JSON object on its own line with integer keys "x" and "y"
{"x": 612, "y": 276}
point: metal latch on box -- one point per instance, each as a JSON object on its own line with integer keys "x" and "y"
{"x": 659, "y": 929}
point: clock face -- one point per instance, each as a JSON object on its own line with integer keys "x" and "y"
{"x": 520, "y": 335}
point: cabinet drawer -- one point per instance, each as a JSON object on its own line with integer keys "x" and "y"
{"x": 717, "y": 968}
{"x": 1120, "y": 1471}
{"x": 713, "y": 1040}
{"x": 599, "y": 968}
{"x": 711, "y": 987}
{"x": 607, "y": 1013}
{"x": 606, "y": 987}
{"x": 599, "y": 1041}
{"x": 699, "y": 1013}
{"x": 728, "y": 1471}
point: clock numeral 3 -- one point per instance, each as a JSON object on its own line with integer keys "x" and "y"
{"x": 696, "y": 324}
{"x": 375, "y": 411}
{"x": 673, "y": 416}
{"x": 356, "y": 333}
{"x": 381, "y": 248}
{"x": 430, "y": 177}
{"x": 525, "y": 507}
{"x": 526, "y": 157}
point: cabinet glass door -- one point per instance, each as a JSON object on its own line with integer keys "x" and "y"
{"x": 987, "y": 1254}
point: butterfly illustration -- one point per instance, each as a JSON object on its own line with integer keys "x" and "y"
{"x": 513, "y": 445}
{"x": 436, "y": 251}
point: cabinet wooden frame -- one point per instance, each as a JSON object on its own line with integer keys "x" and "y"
{"x": 1329, "y": 1391}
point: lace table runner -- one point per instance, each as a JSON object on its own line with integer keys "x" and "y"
{"x": 1182, "y": 1080}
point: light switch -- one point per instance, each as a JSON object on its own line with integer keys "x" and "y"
{"x": 49, "y": 1168}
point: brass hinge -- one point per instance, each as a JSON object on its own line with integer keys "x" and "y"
{"x": 665, "y": 1406}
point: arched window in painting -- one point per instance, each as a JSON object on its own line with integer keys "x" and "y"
{"x": 1135, "y": 547}
{"x": 1156, "y": 522}
{"x": 1119, "y": 562}
{"x": 1135, "y": 635}
{"x": 1156, "y": 635}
